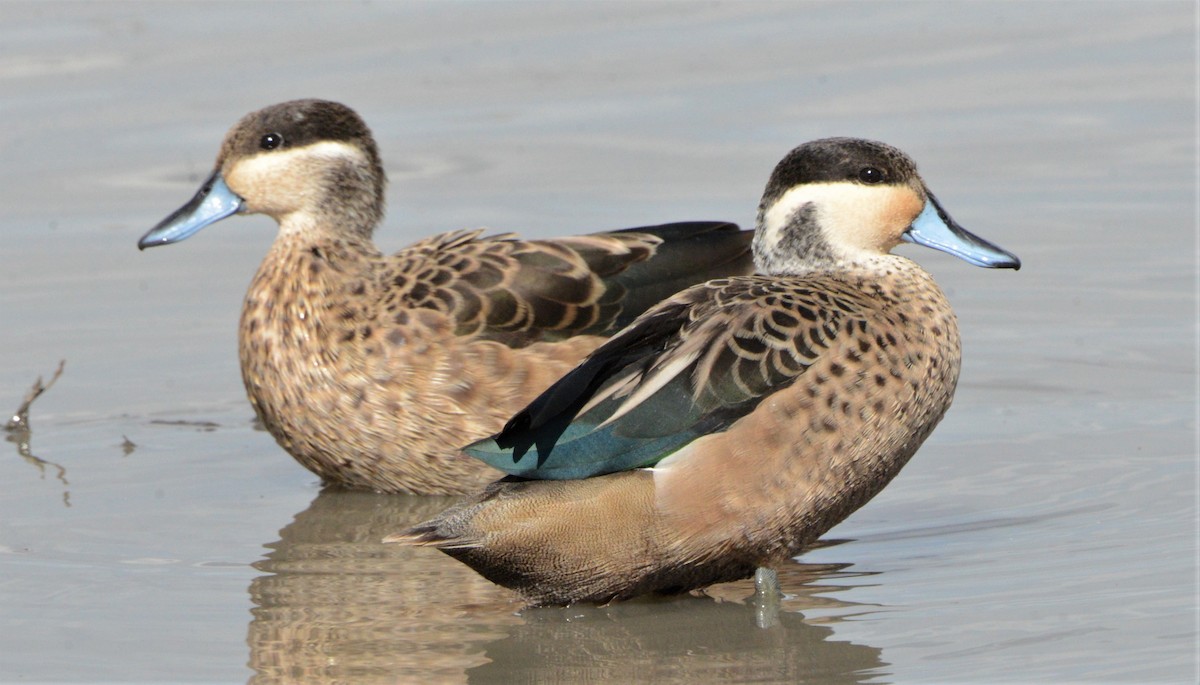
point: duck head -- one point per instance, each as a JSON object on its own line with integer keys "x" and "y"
{"x": 310, "y": 164}
{"x": 839, "y": 201}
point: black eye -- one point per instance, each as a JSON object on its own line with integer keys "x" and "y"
{"x": 270, "y": 141}
{"x": 871, "y": 175}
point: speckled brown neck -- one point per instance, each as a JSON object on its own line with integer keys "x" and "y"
{"x": 300, "y": 301}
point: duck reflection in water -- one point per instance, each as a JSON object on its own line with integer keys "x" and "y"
{"x": 333, "y": 603}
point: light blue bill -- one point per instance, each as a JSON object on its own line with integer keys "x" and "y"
{"x": 213, "y": 202}
{"x": 934, "y": 228}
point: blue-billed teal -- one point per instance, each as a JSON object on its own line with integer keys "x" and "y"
{"x": 731, "y": 425}
{"x": 373, "y": 371}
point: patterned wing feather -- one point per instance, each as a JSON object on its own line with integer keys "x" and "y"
{"x": 689, "y": 367}
{"x": 519, "y": 292}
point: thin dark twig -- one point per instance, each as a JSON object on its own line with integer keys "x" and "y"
{"x": 20, "y": 432}
{"x": 20, "y": 418}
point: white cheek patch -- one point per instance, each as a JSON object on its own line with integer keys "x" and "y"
{"x": 853, "y": 218}
{"x": 780, "y": 214}
{"x": 277, "y": 162}
{"x": 283, "y": 182}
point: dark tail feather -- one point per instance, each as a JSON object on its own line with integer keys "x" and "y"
{"x": 691, "y": 252}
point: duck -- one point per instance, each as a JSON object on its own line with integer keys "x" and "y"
{"x": 373, "y": 370}
{"x": 728, "y": 427}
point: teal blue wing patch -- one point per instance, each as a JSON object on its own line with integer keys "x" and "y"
{"x": 550, "y": 440}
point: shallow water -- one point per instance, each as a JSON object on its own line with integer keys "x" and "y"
{"x": 1046, "y": 532}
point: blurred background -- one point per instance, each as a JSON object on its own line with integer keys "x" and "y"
{"x": 1045, "y": 532}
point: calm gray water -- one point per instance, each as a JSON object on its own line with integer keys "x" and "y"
{"x": 1045, "y": 533}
